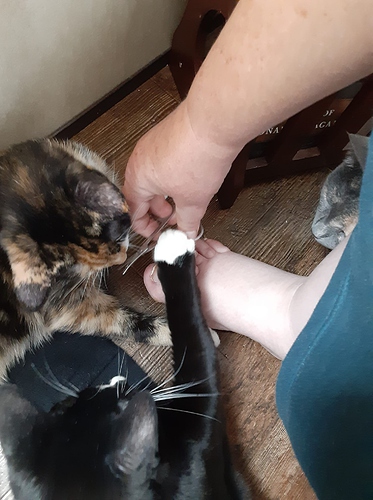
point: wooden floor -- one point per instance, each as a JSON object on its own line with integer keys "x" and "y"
{"x": 270, "y": 222}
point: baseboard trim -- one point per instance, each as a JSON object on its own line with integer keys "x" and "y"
{"x": 109, "y": 100}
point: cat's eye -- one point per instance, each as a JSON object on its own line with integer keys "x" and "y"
{"x": 117, "y": 229}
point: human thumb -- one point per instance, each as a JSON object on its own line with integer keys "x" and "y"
{"x": 188, "y": 219}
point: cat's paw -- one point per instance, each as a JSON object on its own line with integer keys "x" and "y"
{"x": 171, "y": 245}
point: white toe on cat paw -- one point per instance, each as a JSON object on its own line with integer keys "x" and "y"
{"x": 171, "y": 245}
{"x": 215, "y": 337}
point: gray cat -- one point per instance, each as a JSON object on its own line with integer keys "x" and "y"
{"x": 338, "y": 210}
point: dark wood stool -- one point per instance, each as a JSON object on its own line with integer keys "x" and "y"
{"x": 312, "y": 139}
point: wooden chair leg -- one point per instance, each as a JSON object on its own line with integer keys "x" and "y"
{"x": 186, "y": 57}
{"x": 234, "y": 181}
{"x": 188, "y": 43}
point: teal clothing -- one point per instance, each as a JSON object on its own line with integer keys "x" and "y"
{"x": 325, "y": 385}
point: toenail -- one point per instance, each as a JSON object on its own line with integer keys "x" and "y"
{"x": 153, "y": 274}
{"x": 200, "y": 233}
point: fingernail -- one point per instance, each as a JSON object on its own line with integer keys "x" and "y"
{"x": 153, "y": 274}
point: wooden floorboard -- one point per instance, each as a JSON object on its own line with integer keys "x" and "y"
{"x": 270, "y": 222}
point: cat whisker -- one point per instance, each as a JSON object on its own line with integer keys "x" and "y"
{"x": 177, "y": 388}
{"x": 147, "y": 385}
{"x": 119, "y": 369}
{"x": 166, "y": 397}
{"x": 55, "y": 379}
{"x": 134, "y": 215}
{"x": 174, "y": 374}
{"x": 95, "y": 276}
{"x": 59, "y": 388}
{"x": 105, "y": 275}
{"x": 100, "y": 274}
{"x": 125, "y": 382}
{"x": 118, "y": 358}
{"x": 88, "y": 278}
{"x": 121, "y": 365}
{"x": 209, "y": 417}
{"x": 113, "y": 173}
{"x": 121, "y": 236}
{"x": 117, "y": 387}
{"x": 99, "y": 389}
{"x": 74, "y": 287}
{"x": 101, "y": 277}
{"x": 132, "y": 235}
{"x": 135, "y": 240}
{"x": 84, "y": 280}
{"x": 134, "y": 386}
{"x": 120, "y": 386}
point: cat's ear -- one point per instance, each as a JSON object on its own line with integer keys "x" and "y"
{"x": 17, "y": 417}
{"x": 359, "y": 148}
{"x": 135, "y": 443}
{"x": 94, "y": 191}
{"x": 31, "y": 276}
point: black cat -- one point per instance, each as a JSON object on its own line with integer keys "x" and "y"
{"x": 117, "y": 442}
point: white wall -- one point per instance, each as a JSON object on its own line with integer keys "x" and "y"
{"x": 57, "y": 57}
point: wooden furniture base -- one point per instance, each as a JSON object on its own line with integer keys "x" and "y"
{"x": 188, "y": 50}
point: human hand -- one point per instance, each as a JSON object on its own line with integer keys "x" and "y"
{"x": 171, "y": 161}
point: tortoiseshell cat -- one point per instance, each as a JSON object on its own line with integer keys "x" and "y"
{"x": 115, "y": 443}
{"x": 62, "y": 222}
{"x": 338, "y": 209}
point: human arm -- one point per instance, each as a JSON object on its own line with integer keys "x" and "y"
{"x": 271, "y": 60}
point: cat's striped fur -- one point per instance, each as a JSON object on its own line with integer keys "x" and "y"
{"x": 63, "y": 221}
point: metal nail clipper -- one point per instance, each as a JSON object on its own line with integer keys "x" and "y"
{"x": 151, "y": 241}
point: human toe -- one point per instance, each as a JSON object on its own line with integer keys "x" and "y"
{"x": 209, "y": 248}
{"x": 153, "y": 284}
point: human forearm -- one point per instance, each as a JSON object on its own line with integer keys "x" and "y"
{"x": 273, "y": 59}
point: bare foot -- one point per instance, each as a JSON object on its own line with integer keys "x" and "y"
{"x": 205, "y": 250}
{"x": 249, "y": 297}
{"x": 242, "y": 295}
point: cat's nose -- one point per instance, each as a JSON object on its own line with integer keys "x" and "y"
{"x": 117, "y": 229}
{"x": 327, "y": 236}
